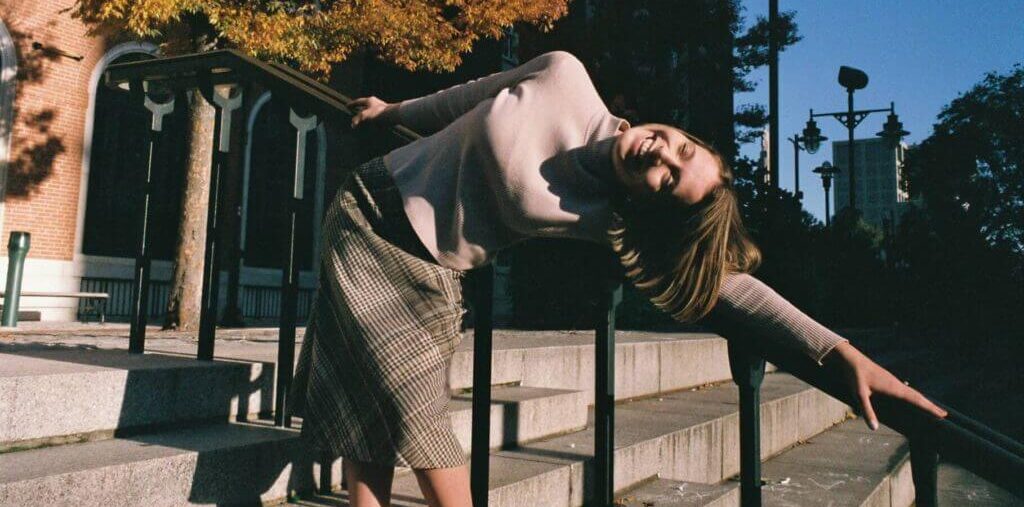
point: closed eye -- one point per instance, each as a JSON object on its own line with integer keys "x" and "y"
{"x": 687, "y": 150}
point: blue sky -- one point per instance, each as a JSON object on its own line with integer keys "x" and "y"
{"x": 920, "y": 54}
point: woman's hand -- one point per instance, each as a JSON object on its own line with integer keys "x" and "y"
{"x": 372, "y": 109}
{"x": 865, "y": 377}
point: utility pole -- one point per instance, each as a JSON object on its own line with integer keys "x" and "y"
{"x": 773, "y": 91}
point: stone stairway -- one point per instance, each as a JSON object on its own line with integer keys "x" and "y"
{"x": 82, "y": 422}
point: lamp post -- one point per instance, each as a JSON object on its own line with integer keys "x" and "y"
{"x": 854, "y": 79}
{"x": 826, "y": 171}
{"x": 797, "y": 140}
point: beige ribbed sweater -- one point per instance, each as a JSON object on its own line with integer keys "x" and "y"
{"x": 527, "y": 152}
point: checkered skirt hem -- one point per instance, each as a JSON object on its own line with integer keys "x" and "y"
{"x": 372, "y": 378}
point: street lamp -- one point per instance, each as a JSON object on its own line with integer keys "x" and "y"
{"x": 826, "y": 171}
{"x": 812, "y": 136}
{"x": 811, "y": 140}
{"x": 854, "y": 79}
{"x": 892, "y": 131}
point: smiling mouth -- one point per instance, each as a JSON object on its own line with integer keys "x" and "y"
{"x": 642, "y": 151}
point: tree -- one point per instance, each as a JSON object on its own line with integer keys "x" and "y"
{"x": 312, "y": 36}
{"x": 964, "y": 244}
{"x": 971, "y": 169}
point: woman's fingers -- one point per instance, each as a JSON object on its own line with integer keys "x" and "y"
{"x": 360, "y": 102}
{"x": 366, "y": 109}
{"x": 869, "y": 412}
{"x": 917, "y": 399}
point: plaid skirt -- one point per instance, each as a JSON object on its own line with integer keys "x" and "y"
{"x": 371, "y": 383}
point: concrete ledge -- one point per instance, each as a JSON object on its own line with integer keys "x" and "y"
{"x": 960, "y": 487}
{"x": 667, "y": 493}
{"x": 847, "y": 465}
{"x": 645, "y": 363}
{"x": 521, "y": 414}
{"x": 225, "y": 464}
{"x": 842, "y": 466}
{"x": 55, "y": 394}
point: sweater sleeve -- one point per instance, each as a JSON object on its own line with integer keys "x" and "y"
{"x": 431, "y": 113}
{"x": 746, "y": 300}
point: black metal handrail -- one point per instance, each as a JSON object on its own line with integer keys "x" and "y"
{"x": 309, "y": 97}
{"x": 958, "y": 439}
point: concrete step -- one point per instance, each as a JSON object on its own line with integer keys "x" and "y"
{"x": 521, "y": 414}
{"x": 200, "y": 465}
{"x": 646, "y": 363}
{"x": 960, "y": 487}
{"x": 52, "y": 394}
{"x": 848, "y": 465}
{"x": 222, "y": 464}
{"x": 687, "y": 435}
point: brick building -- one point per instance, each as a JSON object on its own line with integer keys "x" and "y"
{"x": 48, "y": 84}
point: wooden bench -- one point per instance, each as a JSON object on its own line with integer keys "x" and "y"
{"x": 99, "y": 308}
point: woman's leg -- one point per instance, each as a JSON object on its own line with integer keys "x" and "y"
{"x": 445, "y": 487}
{"x": 369, "y": 484}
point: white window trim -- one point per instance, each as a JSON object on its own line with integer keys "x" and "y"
{"x": 90, "y": 118}
{"x": 8, "y": 75}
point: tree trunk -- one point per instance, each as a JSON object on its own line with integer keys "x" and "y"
{"x": 185, "y": 295}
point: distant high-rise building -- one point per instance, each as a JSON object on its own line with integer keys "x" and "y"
{"x": 878, "y": 167}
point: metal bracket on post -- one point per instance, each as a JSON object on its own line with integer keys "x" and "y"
{"x": 158, "y": 110}
{"x": 303, "y": 125}
{"x": 140, "y": 285}
{"x": 748, "y": 373}
{"x": 290, "y": 274}
{"x": 225, "y": 105}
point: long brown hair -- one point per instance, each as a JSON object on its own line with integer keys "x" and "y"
{"x": 677, "y": 255}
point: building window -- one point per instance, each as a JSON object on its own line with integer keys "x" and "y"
{"x": 270, "y": 189}
{"x": 117, "y": 172}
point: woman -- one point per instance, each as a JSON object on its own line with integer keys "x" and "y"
{"x": 527, "y": 152}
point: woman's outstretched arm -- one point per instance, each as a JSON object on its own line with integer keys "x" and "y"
{"x": 431, "y": 113}
{"x": 745, "y": 299}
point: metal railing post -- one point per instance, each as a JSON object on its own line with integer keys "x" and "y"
{"x": 483, "y": 307}
{"x": 17, "y": 249}
{"x": 224, "y": 108}
{"x": 748, "y": 373}
{"x": 604, "y": 395}
{"x": 290, "y": 273}
{"x": 140, "y": 284}
{"x": 924, "y": 468}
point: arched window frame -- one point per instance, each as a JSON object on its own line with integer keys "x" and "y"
{"x": 87, "y": 137}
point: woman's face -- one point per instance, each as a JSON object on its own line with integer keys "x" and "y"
{"x": 659, "y": 161}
